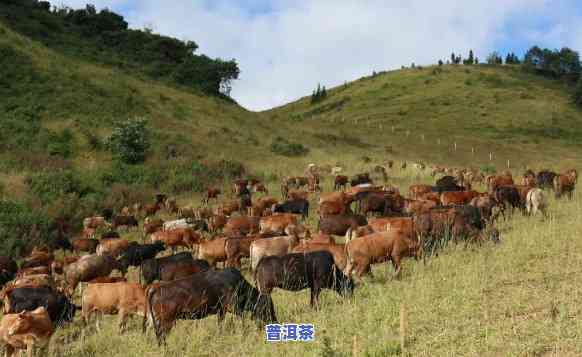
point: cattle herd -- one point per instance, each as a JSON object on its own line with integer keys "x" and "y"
{"x": 376, "y": 222}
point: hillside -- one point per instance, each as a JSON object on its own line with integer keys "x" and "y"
{"x": 418, "y": 114}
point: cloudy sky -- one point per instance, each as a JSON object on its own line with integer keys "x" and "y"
{"x": 285, "y": 47}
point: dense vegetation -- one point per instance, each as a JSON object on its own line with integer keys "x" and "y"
{"x": 104, "y": 37}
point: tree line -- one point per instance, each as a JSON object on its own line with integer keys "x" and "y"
{"x": 104, "y": 37}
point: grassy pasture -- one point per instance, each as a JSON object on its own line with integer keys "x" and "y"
{"x": 520, "y": 298}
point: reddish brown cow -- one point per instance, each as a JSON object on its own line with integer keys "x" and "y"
{"x": 85, "y": 245}
{"x": 565, "y": 184}
{"x": 107, "y": 280}
{"x": 414, "y": 207}
{"x": 430, "y": 196}
{"x": 332, "y": 208}
{"x": 242, "y": 225}
{"x": 88, "y": 268}
{"x": 336, "y": 250}
{"x": 211, "y": 193}
{"x": 228, "y": 208}
{"x": 496, "y": 181}
{"x": 457, "y": 198}
{"x": 379, "y": 247}
{"x": 298, "y": 195}
{"x": 217, "y": 223}
{"x": 33, "y": 271}
{"x": 260, "y": 206}
{"x": 340, "y": 182}
{"x": 26, "y": 330}
{"x": 277, "y": 223}
{"x": 152, "y": 209}
{"x": 213, "y": 251}
{"x": 415, "y": 191}
{"x": 113, "y": 246}
{"x": 236, "y": 249}
{"x": 180, "y": 237}
{"x": 37, "y": 259}
{"x": 153, "y": 225}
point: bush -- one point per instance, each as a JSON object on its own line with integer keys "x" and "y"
{"x": 48, "y": 186}
{"x": 283, "y": 147}
{"x": 130, "y": 141}
{"x": 578, "y": 93}
{"x": 61, "y": 144}
{"x": 488, "y": 169}
{"x": 20, "y": 228}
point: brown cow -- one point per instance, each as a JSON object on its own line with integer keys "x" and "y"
{"x": 260, "y": 206}
{"x": 523, "y": 190}
{"x": 89, "y": 233}
{"x": 37, "y": 259}
{"x": 277, "y": 246}
{"x": 298, "y": 195}
{"x": 211, "y": 193}
{"x": 33, "y": 271}
{"x": 340, "y": 182}
{"x": 113, "y": 246}
{"x": 88, "y": 268}
{"x": 496, "y": 181}
{"x": 85, "y": 245}
{"x": 565, "y": 184}
{"x": 107, "y": 280}
{"x": 153, "y": 225}
{"x": 404, "y": 224}
{"x": 430, "y": 196}
{"x": 217, "y": 223}
{"x": 213, "y": 251}
{"x": 414, "y": 207}
{"x": 94, "y": 222}
{"x": 260, "y": 187}
{"x": 332, "y": 208}
{"x": 122, "y": 298}
{"x": 277, "y": 223}
{"x": 228, "y": 208}
{"x": 26, "y": 330}
{"x": 33, "y": 280}
{"x": 336, "y": 250}
{"x": 241, "y": 225}
{"x": 152, "y": 209}
{"x": 236, "y": 249}
{"x": 180, "y": 237}
{"x": 457, "y": 198}
{"x": 415, "y": 191}
{"x": 486, "y": 205}
{"x": 379, "y": 247}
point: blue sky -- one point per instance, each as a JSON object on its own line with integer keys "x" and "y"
{"x": 285, "y": 47}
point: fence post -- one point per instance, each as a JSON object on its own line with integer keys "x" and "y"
{"x": 490, "y": 156}
{"x": 507, "y": 163}
{"x": 402, "y": 327}
{"x": 455, "y": 146}
{"x": 355, "y": 346}
{"x": 472, "y": 151}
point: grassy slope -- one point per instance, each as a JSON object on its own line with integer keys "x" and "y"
{"x": 518, "y": 116}
{"x": 519, "y": 298}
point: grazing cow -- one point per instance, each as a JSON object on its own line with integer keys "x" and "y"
{"x": 33, "y": 271}
{"x": 298, "y": 271}
{"x": 359, "y": 179}
{"x": 34, "y": 280}
{"x": 85, "y": 245}
{"x": 127, "y": 221}
{"x": 152, "y": 268}
{"x": 415, "y": 207}
{"x": 340, "y": 182}
{"x": 332, "y": 208}
{"x": 297, "y": 195}
{"x": 89, "y": 233}
{"x": 171, "y": 206}
{"x": 522, "y": 190}
{"x": 403, "y": 224}
{"x": 199, "y": 295}
{"x": 113, "y": 247}
{"x": 496, "y": 181}
{"x": 110, "y": 234}
{"x": 212, "y": 251}
{"x": 125, "y": 211}
{"x": 94, "y": 222}
{"x": 457, "y": 198}
{"x": 173, "y": 270}
{"x": 186, "y": 212}
{"x": 259, "y": 207}
{"x": 37, "y": 259}
{"x": 507, "y": 196}
{"x": 177, "y": 224}
{"x": 26, "y": 330}
{"x": 182, "y": 237}
{"x": 120, "y": 298}
{"x": 339, "y": 225}
{"x": 228, "y": 208}
{"x": 217, "y": 223}
{"x": 297, "y": 206}
{"x": 107, "y": 280}
{"x": 536, "y": 201}
{"x": 416, "y": 191}
{"x": 152, "y": 225}
{"x": 151, "y": 209}
{"x": 211, "y": 193}
{"x": 260, "y": 187}
{"x": 379, "y": 247}
{"x": 236, "y": 249}
{"x": 336, "y": 250}
{"x": 59, "y": 307}
{"x": 242, "y": 225}
{"x": 277, "y": 223}
{"x": 545, "y": 179}
{"x": 277, "y": 246}
{"x": 8, "y": 269}
{"x": 564, "y": 184}
{"x": 90, "y": 267}
{"x": 486, "y": 205}
{"x": 239, "y": 185}
{"x": 134, "y": 255}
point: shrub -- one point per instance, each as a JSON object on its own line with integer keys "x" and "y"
{"x": 61, "y": 144}
{"x": 488, "y": 169}
{"x": 49, "y": 186}
{"x": 20, "y": 228}
{"x": 283, "y": 147}
{"x": 130, "y": 141}
{"x": 578, "y": 93}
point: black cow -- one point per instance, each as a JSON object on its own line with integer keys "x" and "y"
{"x": 340, "y": 182}
{"x": 446, "y": 181}
{"x": 134, "y": 255}
{"x": 339, "y": 224}
{"x": 151, "y": 268}
{"x": 59, "y": 307}
{"x": 107, "y": 213}
{"x": 507, "y": 196}
{"x": 360, "y": 179}
{"x": 128, "y": 221}
{"x": 299, "y": 206}
{"x": 8, "y": 269}
{"x": 298, "y": 271}
{"x": 110, "y": 235}
{"x": 206, "y": 293}
{"x": 545, "y": 179}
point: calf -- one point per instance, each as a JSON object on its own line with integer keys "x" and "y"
{"x": 507, "y": 196}
{"x": 199, "y": 295}
{"x": 379, "y": 247}
{"x": 122, "y": 298}
{"x": 298, "y": 271}
{"x": 297, "y": 206}
{"x": 26, "y": 330}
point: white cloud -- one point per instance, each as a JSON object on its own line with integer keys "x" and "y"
{"x": 285, "y": 52}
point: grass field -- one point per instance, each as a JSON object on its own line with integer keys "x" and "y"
{"x": 520, "y": 298}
